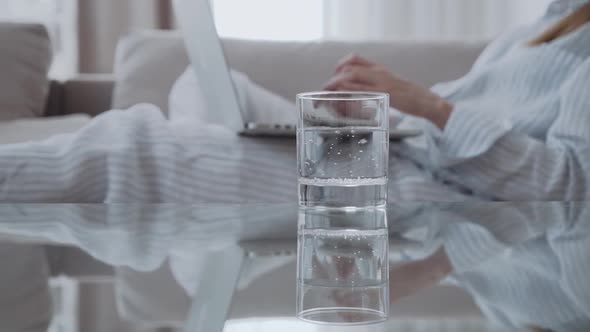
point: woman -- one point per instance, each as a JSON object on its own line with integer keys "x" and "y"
{"x": 515, "y": 128}
{"x": 518, "y": 125}
{"x": 521, "y": 268}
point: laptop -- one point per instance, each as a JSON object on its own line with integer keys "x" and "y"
{"x": 208, "y": 60}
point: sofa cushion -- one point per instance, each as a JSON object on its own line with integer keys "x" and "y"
{"x": 148, "y": 63}
{"x": 25, "y": 57}
{"x": 146, "y": 66}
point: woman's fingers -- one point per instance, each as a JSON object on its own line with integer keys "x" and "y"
{"x": 357, "y": 76}
{"x": 417, "y": 275}
{"x": 352, "y": 60}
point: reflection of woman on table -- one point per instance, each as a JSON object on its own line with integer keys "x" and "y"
{"x": 525, "y": 265}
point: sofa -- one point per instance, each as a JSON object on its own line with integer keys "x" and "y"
{"x": 148, "y": 62}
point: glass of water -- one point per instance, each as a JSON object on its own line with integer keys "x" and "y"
{"x": 342, "y": 266}
{"x": 342, "y": 149}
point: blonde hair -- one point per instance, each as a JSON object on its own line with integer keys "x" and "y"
{"x": 565, "y": 26}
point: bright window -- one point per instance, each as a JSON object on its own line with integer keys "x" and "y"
{"x": 27, "y": 10}
{"x": 269, "y": 19}
{"x": 372, "y": 19}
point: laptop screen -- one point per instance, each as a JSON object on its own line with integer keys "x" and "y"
{"x": 207, "y": 58}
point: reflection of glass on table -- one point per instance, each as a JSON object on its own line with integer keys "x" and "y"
{"x": 342, "y": 266}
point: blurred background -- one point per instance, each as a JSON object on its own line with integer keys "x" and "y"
{"x": 85, "y": 32}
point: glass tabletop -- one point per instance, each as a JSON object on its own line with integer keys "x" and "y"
{"x": 229, "y": 268}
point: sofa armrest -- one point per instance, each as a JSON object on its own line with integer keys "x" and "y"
{"x": 87, "y": 93}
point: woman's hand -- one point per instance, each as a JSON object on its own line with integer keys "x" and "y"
{"x": 355, "y": 73}
{"x": 409, "y": 278}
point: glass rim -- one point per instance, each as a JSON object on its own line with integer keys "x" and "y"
{"x": 342, "y": 95}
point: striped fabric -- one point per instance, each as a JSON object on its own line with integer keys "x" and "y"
{"x": 520, "y": 131}
{"x": 138, "y": 156}
{"x": 524, "y": 264}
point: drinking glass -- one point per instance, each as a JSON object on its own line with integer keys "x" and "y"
{"x": 342, "y": 266}
{"x": 342, "y": 149}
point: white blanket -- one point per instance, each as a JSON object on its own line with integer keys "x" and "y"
{"x": 137, "y": 155}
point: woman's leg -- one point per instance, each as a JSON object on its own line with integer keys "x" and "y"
{"x": 137, "y": 156}
{"x": 186, "y": 102}
{"x": 85, "y": 166}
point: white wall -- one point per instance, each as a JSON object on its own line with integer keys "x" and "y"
{"x": 426, "y": 19}
{"x": 269, "y": 19}
{"x": 96, "y": 25}
{"x": 372, "y": 19}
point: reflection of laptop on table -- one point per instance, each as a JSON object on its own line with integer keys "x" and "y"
{"x": 210, "y": 65}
